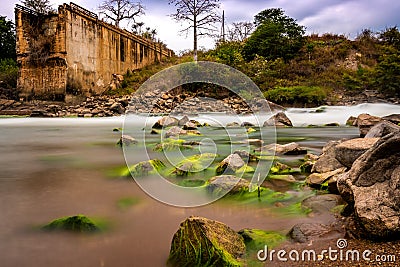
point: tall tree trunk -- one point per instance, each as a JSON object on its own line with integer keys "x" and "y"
{"x": 195, "y": 38}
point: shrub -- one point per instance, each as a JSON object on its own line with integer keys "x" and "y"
{"x": 8, "y": 73}
{"x": 313, "y": 95}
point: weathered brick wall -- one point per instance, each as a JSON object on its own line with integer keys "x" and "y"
{"x": 80, "y": 52}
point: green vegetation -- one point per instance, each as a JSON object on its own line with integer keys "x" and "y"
{"x": 77, "y": 223}
{"x": 256, "y": 239}
{"x": 297, "y": 95}
{"x": 126, "y": 202}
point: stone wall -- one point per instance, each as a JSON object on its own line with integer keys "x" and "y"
{"x": 73, "y": 52}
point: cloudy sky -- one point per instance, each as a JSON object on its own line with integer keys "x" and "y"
{"x": 346, "y": 17}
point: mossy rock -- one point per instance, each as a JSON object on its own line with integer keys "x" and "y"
{"x": 251, "y": 130}
{"x": 256, "y": 239}
{"x": 171, "y": 144}
{"x": 194, "y": 164}
{"x": 230, "y": 165}
{"x": 280, "y": 168}
{"x": 203, "y": 242}
{"x": 145, "y": 168}
{"x": 220, "y": 185}
{"x": 191, "y": 183}
{"x": 117, "y": 129}
{"x": 77, "y": 223}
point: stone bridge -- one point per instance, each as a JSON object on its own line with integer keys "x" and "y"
{"x": 72, "y": 52}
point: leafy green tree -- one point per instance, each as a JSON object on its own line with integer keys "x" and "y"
{"x": 7, "y": 39}
{"x": 387, "y": 73}
{"x": 276, "y": 36}
{"x": 391, "y": 37}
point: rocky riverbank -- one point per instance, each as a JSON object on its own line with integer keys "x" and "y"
{"x": 150, "y": 102}
{"x": 156, "y": 102}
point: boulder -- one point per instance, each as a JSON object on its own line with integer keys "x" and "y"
{"x": 322, "y": 203}
{"x": 194, "y": 164}
{"x": 348, "y": 151}
{"x": 382, "y": 129}
{"x": 279, "y": 120}
{"x": 287, "y": 149}
{"x": 126, "y": 140}
{"x": 166, "y": 121}
{"x": 246, "y": 156}
{"x": 393, "y": 118}
{"x": 316, "y": 180}
{"x": 327, "y": 161}
{"x": 175, "y": 131}
{"x": 372, "y": 188}
{"x": 220, "y": 185}
{"x": 230, "y": 164}
{"x": 305, "y": 232}
{"x": 365, "y": 122}
{"x": 183, "y": 121}
{"x": 203, "y": 242}
{"x": 189, "y": 126}
{"x": 145, "y": 168}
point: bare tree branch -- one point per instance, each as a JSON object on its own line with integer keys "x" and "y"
{"x": 118, "y": 10}
{"x": 201, "y": 16}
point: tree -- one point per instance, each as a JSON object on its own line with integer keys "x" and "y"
{"x": 391, "y": 36}
{"x": 39, "y": 6}
{"x": 276, "y": 36}
{"x": 201, "y": 16}
{"x": 7, "y": 39}
{"x": 117, "y": 10}
{"x": 239, "y": 31}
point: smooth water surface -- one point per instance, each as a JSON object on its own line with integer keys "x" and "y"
{"x": 52, "y": 168}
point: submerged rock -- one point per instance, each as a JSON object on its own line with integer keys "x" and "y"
{"x": 175, "y": 131}
{"x": 372, "y": 187}
{"x": 193, "y": 164}
{"x": 279, "y": 120}
{"x": 145, "y": 168}
{"x": 230, "y": 164}
{"x": 203, "y": 242}
{"x": 222, "y": 184}
{"x": 256, "y": 238}
{"x": 126, "y": 140}
{"x": 322, "y": 203}
{"x": 77, "y": 223}
{"x": 305, "y": 232}
{"x": 287, "y": 149}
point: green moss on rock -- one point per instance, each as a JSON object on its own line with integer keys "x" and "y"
{"x": 194, "y": 164}
{"x": 145, "y": 168}
{"x": 77, "y": 223}
{"x": 171, "y": 144}
{"x": 203, "y": 242}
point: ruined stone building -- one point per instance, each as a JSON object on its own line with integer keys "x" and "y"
{"x": 72, "y": 52}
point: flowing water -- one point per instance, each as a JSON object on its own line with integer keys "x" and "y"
{"x": 52, "y": 168}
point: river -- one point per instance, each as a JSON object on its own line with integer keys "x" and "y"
{"x": 55, "y": 167}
